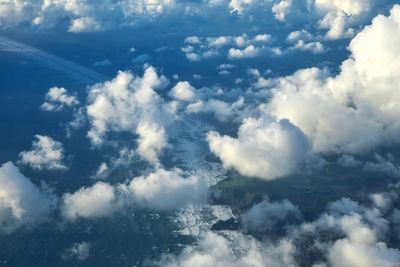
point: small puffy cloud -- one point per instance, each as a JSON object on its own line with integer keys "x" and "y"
{"x": 85, "y": 24}
{"x": 143, "y": 58}
{"x": 348, "y": 161}
{"x": 267, "y": 216}
{"x": 239, "y": 5}
{"x": 21, "y": 202}
{"x": 299, "y": 35}
{"x": 226, "y": 66}
{"x": 264, "y": 148}
{"x": 291, "y": 11}
{"x": 102, "y": 63}
{"x": 102, "y": 171}
{"x": 183, "y": 91}
{"x": 313, "y": 47}
{"x": 46, "y": 154}
{"x": 281, "y": 9}
{"x": 383, "y": 201}
{"x": 248, "y": 52}
{"x": 79, "y": 251}
{"x": 99, "y": 200}
{"x": 166, "y": 190}
{"x": 234, "y": 47}
{"x": 57, "y": 98}
{"x": 337, "y": 25}
{"x": 262, "y": 38}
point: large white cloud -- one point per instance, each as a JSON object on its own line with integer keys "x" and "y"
{"x": 264, "y": 148}
{"x": 46, "y": 154}
{"x": 21, "y": 202}
{"x": 356, "y": 110}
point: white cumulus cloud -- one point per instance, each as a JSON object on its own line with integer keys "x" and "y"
{"x": 264, "y": 148}
{"x": 22, "y": 203}
{"x": 46, "y": 154}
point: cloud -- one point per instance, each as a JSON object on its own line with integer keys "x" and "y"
{"x": 339, "y": 18}
{"x": 22, "y": 203}
{"x": 268, "y": 216}
{"x": 226, "y": 66}
{"x": 249, "y": 52}
{"x": 360, "y": 247}
{"x": 239, "y": 5}
{"x": 348, "y": 7}
{"x": 346, "y": 253}
{"x": 85, "y": 24}
{"x": 264, "y": 148}
{"x": 119, "y": 104}
{"x": 80, "y": 16}
{"x": 305, "y": 93}
{"x": 288, "y": 8}
{"x": 57, "y": 98}
{"x": 234, "y": 47}
{"x": 161, "y": 190}
{"x": 348, "y": 234}
{"x": 80, "y": 251}
{"x": 216, "y": 250}
{"x": 96, "y": 201}
{"x": 46, "y": 154}
{"x": 166, "y": 190}
{"x": 183, "y": 91}
{"x": 130, "y": 103}
{"x": 299, "y": 35}
{"x": 361, "y": 100}
{"x": 151, "y": 142}
{"x": 102, "y": 63}
{"x": 223, "y": 111}
{"x": 140, "y": 59}
{"x": 314, "y": 47}
{"x": 337, "y": 25}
